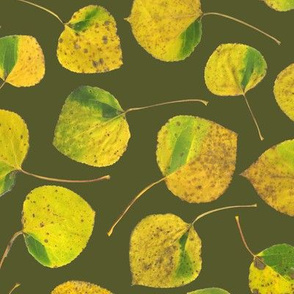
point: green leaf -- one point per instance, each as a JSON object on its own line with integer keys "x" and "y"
{"x": 168, "y": 31}
{"x": 210, "y": 291}
{"x": 197, "y": 157}
{"x": 21, "y": 61}
{"x": 14, "y": 145}
{"x": 280, "y": 5}
{"x": 165, "y": 252}
{"x": 92, "y": 127}
{"x": 78, "y": 287}
{"x": 272, "y": 176}
{"x": 272, "y": 271}
{"x": 57, "y": 224}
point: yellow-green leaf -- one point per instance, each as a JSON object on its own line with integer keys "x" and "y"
{"x": 169, "y": 30}
{"x": 165, "y": 252}
{"x": 89, "y": 42}
{"x": 22, "y": 61}
{"x": 272, "y": 271}
{"x": 57, "y": 224}
{"x": 272, "y": 176}
{"x": 209, "y": 291}
{"x": 14, "y": 145}
{"x": 280, "y": 5}
{"x": 284, "y": 91}
{"x": 234, "y": 69}
{"x": 92, "y": 127}
{"x": 197, "y": 157}
{"x": 78, "y": 287}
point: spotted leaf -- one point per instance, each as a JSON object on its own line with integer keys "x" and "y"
{"x": 78, "y": 287}
{"x": 280, "y": 5}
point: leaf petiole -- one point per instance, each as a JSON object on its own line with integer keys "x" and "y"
{"x": 2, "y": 85}
{"x": 15, "y": 286}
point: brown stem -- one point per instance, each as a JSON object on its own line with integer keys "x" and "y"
{"x": 254, "y": 119}
{"x": 43, "y": 8}
{"x": 107, "y": 177}
{"x": 243, "y": 23}
{"x": 15, "y": 286}
{"x": 109, "y": 233}
{"x": 5, "y": 254}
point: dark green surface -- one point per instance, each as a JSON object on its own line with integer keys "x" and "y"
{"x": 141, "y": 81}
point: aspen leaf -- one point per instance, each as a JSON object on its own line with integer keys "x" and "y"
{"x": 14, "y": 145}
{"x": 209, "y": 291}
{"x": 57, "y": 224}
{"x": 272, "y": 177}
{"x": 164, "y": 252}
{"x": 280, "y": 5}
{"x": 78, "y": 287}
{"x": 284, "y": 91}
{"x": 197, "y": 157}
{"x": 92, "y": 127}
{"x": 22, "y": 61}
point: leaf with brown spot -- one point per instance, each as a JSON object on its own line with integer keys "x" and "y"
{"x": 78, "y": 287}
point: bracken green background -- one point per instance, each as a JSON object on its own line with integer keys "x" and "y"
{"x": 143, "y": 80}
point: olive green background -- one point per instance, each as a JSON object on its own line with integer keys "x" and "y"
{"x": 142, "y": 80}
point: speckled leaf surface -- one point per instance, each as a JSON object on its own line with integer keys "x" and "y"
{"x": 79, "y": 287}
{"x": 280, "y": 5}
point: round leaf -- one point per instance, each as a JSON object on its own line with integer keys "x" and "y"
{"x": 284, "y": 91}
{"x": 22, "y": 61}
{"x": 89, "y": 42}
{"x": 234, "y": 69}
{"x": 280, "y": 5}
{"x": 57, "y": 224}
{"x": 197, "y": 157}
{"x": 273, "y": 270}
{"x": 77, "y": 287}
{"x": 165, "y": 252}
{"x": 92, "y": 127}
{"x": 272, "y": 176}
{"x": 210, "y": 291}
{"x": 14, "y": 145}
{"x": 169, "y": 31}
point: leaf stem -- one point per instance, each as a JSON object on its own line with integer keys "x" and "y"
{"x": 166, "y": 103}
{"x": 254, "y": 119}
{"x": 2, "y": 85}
{"x": 107, "y": 177}
{"x": 109, "y": 233}
{"x": 15, "y": 286}
{"x": 243, "y": 238}
{"x": 5, "y": 254}
{"x": 43, "y": 8}
{"x": 221, "y": 209}
{"x": 243, "y": 23}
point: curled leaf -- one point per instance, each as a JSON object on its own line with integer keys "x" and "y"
{"x": 92, "y": 127}
{"x": 169, "y": 31}
{"x": 210, "y": 291}
{"x": 14, "y": 145}
{"x": 197, "y": 157}
{"x": 280, "y": 5}
{"x": 89, "y": 42}
{"x": 165, "y": 252}
{"x": 284, "y": 91}
{"x": 272, "y": 177}
{"x": 57, "y": 224}
{"x": 22, "y": 61}
{"x": 78, "y": 287}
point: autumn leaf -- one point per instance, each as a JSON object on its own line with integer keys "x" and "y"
{"x": 22, "y": 61}
{"x": 272, "y": 177}
{"x": 89, "y": 42}
{"x": 284, "y": 91}
{"x": 280, "y": 5}
{"x": 233, "y": 70}
{"x": 165, "y": 251}
{"x": 209, "y": 291}
{"x": 78, "y": 287}
{"x": 57, "y": 225}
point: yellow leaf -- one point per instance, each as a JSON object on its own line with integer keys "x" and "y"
{"x": 165, "y": 252}
{"x": 78, "y": 287}
{"x": 57, "y": 224}
{"x": 280, "y": 5}
{"x": 284, "y": 91}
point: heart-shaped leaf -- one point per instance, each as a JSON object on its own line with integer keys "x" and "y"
{"x": 197, "y": 157}
{"x": 280, "y": 5}
{"x": 78, "y": 287}
{"x": 284, "y": 91}
{"x": 57, "y": 225}
{"x": 272, "y": 177}
{"x": 209, "y": 291}
{"x": 22, "y": 61}
{"x": 169, "y": 31}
